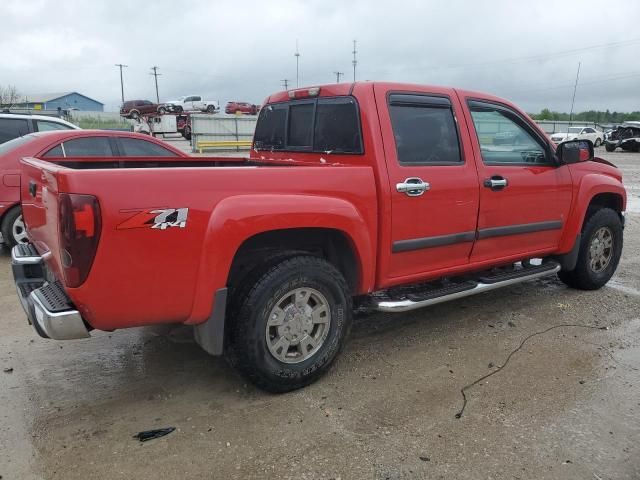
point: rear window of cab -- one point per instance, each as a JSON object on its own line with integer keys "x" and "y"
{"x": 326, "y": 124}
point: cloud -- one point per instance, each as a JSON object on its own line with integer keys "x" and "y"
{"x": 241, "y": 50}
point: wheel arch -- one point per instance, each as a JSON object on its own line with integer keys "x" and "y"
{"x": 329, "y": 227}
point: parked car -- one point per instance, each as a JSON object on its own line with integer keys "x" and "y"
{"x": 380, "y": 194}
{"x": 135, "y": 108}
{"x": 79, "y": 145}
{"x": 13, "y": 125}
{"x": 580, "y": 133}
{"x": 241, "y": 107}
{"x": 626, "y": 136}
{"x": 192, "y": 103}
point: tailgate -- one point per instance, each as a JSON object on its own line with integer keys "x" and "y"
{"x": 40, "y": 209}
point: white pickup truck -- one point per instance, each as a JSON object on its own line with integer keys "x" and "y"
{"x": 192, "y": 103}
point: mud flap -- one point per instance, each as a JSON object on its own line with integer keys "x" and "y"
{"x": 210, "y": 334}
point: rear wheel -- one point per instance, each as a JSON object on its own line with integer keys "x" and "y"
{"x": 134, "y": 114}
{"x": 600, "y": 250}
{"x": 162, "y": 110}
{"x": 186, "y": 133}
{"x": 13, "y": 228}
{"x": 609, "y": 148}
{"x": 598, "y": 142}
{"x": 289, "y": 323}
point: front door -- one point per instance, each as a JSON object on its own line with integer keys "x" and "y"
{"x": 524, "y": 195}
{"x": 433, "y": 182}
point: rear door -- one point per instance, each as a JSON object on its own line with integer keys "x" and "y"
{"x": 524, "y": 196}
{"x": 433, "y": 181}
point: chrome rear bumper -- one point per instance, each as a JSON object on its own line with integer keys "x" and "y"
{"x": 46, "y": 304}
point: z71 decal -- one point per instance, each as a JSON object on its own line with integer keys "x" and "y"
{"x": 158, "y": 218}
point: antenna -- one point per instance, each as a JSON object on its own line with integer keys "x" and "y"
{"x": 575, "y": 87}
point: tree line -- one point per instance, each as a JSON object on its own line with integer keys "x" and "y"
{"x": 588, "y": 116}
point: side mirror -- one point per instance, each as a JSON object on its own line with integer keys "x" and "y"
{"x": 574, "y": 151}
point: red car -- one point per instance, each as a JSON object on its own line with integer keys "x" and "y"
{"x": 63, "y": 144}
{"x": 242, "y": 107}
{"x": 388, "y": 195}
{"x": 135, "y": 108}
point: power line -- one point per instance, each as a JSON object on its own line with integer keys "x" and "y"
{"x": 121, "y": 80}
{"x": 285, "y": 83}
{"x": 338, "y": 75}
{"x": 562, "y": 53}
{"x": 155, "y": 77}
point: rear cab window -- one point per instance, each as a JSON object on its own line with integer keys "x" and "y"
{"x": 323, "y": 124}
{"x": 424, "y": 130}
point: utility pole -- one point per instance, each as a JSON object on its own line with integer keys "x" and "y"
{"x": 155, "y": 76}
{"x": 121, "y": 81}
{"x": 285, "y": 83}
{"x": 354, "y": 62}
{"x": 575, "y": 87}
{"x": 297, "y": 55}
{"x": 338, "y": 74}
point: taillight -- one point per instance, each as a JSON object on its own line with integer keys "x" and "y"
{"x": 80, "y": 225}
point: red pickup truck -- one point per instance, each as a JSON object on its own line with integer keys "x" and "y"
{"x": 388, "y": 195}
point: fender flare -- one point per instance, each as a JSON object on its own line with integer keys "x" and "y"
{"x": 589, "y": 186}
{"x": 238, "y": 218}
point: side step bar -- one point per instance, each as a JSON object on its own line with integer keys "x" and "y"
{"x": 492, "y": 282}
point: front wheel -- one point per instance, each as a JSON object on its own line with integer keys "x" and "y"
{"x": 599, "y": 254}
{"x": 162, "y": 110}
{"x": 598, "y": 142}
{"x": 211, "y": 108}
{"x": 290, "y": 323}
{"x": 609, "y": 148}
{"x": 13, "y": 228}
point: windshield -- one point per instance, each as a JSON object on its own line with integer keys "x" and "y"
{"x": 6, "y": 147}
{"x": 575, "y": 129}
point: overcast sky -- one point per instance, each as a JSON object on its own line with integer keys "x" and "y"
{"x": 526, "y": 51}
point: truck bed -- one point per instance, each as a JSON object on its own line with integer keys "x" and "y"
{"x": 223, "y": 200}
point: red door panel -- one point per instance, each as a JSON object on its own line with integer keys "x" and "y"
{"x": 434, "y": 229}
{"x": 524, "y": 196}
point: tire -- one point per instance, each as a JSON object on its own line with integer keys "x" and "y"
{"x": 186, "y": 133}
{"x": 13, "y": 229}
{"x": 211, "y": 108}
{"x": 609, "y": 148}
{"x": 162, "y": 110}
{"x": 598, "y": 142}
{"x": 284, "y": 366}
{"x": 592, "y": 271}
{"x": 134, "y": 114}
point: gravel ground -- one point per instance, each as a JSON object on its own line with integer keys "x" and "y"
{"x": 566, "y": 406}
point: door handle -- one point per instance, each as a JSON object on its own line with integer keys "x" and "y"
{"x": 496, "y": 182}
{"x": 413, "y": 187}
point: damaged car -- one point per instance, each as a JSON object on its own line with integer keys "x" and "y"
{"x": 626, "y": 136}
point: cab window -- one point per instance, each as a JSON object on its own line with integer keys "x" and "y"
{"x": 88, "y": 147}
{"x": 504, "y": 138}
{"x": 424, "y": 130}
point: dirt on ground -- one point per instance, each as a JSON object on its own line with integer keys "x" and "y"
{"x": 565, "y": 406}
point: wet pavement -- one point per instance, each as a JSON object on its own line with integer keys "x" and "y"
{"x": 566, "y": 406}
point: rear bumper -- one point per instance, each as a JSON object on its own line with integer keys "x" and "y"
{"x": 45, "y": 302}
